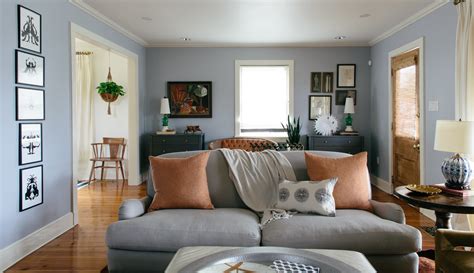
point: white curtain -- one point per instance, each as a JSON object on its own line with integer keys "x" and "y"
{"x": 84, "y": 107}
{"x": 464, "y": 83}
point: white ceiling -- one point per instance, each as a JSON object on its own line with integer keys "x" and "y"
{"x": 258, "y": 22}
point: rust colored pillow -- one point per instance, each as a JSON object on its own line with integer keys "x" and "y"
{"x": 180, "y": 183}
{"x": 352, "y": 188}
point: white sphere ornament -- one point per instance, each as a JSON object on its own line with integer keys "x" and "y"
{"x": 325, "y": 125}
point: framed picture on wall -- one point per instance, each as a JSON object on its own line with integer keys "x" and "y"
{"x": 31, "y": 143}
{"x": 346, "y": 75}
{"x": 327, "y": 85}
{"x": 29, "y": 68}
{"x": 190, "y": 99}
{"x": 29, "y": 29}
{"x": 29, "y": 104}
{"x": 319, "y": 105}
{"x": 341, "y": 96}
{"x": 31, "y": 187}
{"x": 316, "y": 82}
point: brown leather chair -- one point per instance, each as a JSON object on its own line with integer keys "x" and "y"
{"x": 450, "y": 254}
{"x": 243, "y": 143}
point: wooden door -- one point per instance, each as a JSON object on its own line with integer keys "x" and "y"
{"x": 405, "y": 119}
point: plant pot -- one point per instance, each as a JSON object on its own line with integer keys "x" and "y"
{"x": 108, "y": 97}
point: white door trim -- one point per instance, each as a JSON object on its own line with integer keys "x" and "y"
{"x": 419, "y": 43}
{"x": 134, "y": 177}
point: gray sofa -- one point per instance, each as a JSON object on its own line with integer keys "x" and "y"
{"x": 146, "y": 242}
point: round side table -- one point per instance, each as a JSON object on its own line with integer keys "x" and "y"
{"x": 443, "y": 204}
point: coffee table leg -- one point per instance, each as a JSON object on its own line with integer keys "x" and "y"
{"x": 443, "y": 220}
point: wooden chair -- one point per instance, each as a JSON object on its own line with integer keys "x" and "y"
{"x": 451, "y": 257}
{"x": 110, "y": 150}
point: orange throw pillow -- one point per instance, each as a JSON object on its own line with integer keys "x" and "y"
{"x": 352, "y": 188}
{"x": 180, "y": 183}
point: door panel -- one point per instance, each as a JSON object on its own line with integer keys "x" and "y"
{"x": 405, "y": 119}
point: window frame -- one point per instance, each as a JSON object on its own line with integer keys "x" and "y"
{"x": 238, "y": 110}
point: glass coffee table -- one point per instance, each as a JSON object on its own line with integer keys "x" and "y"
{"x": 267, "y": 259}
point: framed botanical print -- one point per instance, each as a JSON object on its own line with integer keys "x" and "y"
{"x": 29, "y": 68}
{"x": 30, "y": 143}
{"x": 341, "y": 96}
{"x": 31, "y": 187}
{"x": 346, "y": 75}
{"x": 29, "y": 104}
{"x": 29, "y": 29}
{"x": 319, "y": 105}
{"x": 190, "y": 99}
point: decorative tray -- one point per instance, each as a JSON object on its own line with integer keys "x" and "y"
{"x": 424, "y": 189}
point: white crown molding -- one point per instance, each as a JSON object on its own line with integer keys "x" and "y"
{"x": 99, "y": 16}
{"x": 410, "y": 20}
{"x": 258, "y": 45}
{"x": 23, "y": 247}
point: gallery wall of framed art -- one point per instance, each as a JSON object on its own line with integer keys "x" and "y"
{"x": 30, "y": 100}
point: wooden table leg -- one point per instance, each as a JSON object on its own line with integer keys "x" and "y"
{"x": 443, "y": 220}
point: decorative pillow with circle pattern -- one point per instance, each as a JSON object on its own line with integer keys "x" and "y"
{"x": 307, "y": 196}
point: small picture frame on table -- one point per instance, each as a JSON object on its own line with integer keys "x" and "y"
{"x": 31, "y": 187}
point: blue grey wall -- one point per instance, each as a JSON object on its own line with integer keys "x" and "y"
{"x": 217, "y": 65}
{"x": 57, "y": 133}
{"x": 439, "y": 32}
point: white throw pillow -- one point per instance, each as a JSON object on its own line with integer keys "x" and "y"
{"x": 307, "y": 196}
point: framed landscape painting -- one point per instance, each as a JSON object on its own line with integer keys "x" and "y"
{"x": 29, "y": 104}
{"x": 29, "y": 29}
{"x": 29, "y": 68}
{"x": 190, "y": 99}
{"x": 30, "y": 143}
{"x": 31, "y": 187}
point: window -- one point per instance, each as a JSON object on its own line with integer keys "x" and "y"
{"x": 263, "y": 97}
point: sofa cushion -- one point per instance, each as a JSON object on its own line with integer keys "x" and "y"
{"x": 355, "y": 230}
{"x": 169, "y": 230}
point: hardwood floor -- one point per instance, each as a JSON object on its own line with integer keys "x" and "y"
{"x": 82, "y": 249}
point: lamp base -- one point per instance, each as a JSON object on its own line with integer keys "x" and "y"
{"x": 164, "y": 128}
{"x": 457, "y": 171}
{"x": 349, "y": 128}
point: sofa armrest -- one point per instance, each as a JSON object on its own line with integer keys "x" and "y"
{"x": 133, "y": 208}
{"x": 389, "y": 211}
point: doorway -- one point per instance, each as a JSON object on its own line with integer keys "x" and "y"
{"x": 121, "y": 121}
{"x": 406, "y": 100}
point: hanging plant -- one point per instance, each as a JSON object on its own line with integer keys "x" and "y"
{"x": 109, "y": 91}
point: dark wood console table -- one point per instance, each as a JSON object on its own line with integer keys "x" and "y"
{"x": 443, "y": 204}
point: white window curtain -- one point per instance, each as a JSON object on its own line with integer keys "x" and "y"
{"x": 464, "y": 85}
{"x": 83, "y": 108}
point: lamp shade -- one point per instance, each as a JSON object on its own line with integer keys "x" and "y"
{"x": 349, "y": 106}
{"x": 165, "y": 106}
{"x": 454, "y": 136}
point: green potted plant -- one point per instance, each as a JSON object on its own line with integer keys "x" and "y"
{"x": 293, "y": 130}
{"x": 109, "y": 91}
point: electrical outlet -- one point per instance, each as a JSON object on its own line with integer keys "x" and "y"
{"x": 433, "y": 106}
{"x": 378, "y": 160}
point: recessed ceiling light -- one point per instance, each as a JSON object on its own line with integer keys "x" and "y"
{"x": 145, "y": 18}
{"x": 340, "y": 37}
{"x": 186, "y": 39}
{"x": 365, "y": 15}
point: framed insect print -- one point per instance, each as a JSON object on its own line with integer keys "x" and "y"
{"x": 29, "y": 68}
{"x": 29, "y": 29}
{"x": 31, "y": 187}
{"x": 29, "y": 104}
{"x": 30, "y": 143}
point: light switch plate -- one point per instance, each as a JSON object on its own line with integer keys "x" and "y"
{"x": 433, "y": 106}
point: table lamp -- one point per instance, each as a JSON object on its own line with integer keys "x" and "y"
{"x": 349, "y": 109}
{"x": 456, "y": 137}
{"x": 165, "y": 111}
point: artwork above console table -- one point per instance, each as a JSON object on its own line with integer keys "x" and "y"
{"x": 162, "y": 144}
{"x": 344, "y": 144}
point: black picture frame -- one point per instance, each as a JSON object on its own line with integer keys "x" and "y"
{"x": 22, "y": 147}
{"x": 182, "y": 96}
{"x": 342, "y": 76}
{"x": 25, "y": 67}
{"x": 316, "y": 82}
{"x": 341, "y": 96}
{"x": 312, "y": 116}
{"x": 23, "y": 194}
{"x": 19, "y": 108}
{"x": 24, "y": 29}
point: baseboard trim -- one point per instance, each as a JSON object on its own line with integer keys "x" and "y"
{"x": 381, "y": 184}
{"x": 25, "y": 246}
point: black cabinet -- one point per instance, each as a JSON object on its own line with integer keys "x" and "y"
{"x": 344, "y": 144}
{"x": 162, "y": 144}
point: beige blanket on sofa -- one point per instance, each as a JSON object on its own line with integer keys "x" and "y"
{"x": 256, "y": 177}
